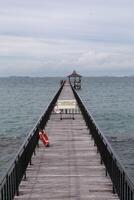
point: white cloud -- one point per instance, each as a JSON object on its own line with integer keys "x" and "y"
{"x": 35, "y": 55}
{"x": 106, "y": 59}
{"x": 56, "y": 36}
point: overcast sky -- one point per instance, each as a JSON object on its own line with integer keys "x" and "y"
{"x": 53, "y": 37}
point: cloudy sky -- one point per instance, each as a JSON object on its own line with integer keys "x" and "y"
{"x": 53, "y": 37}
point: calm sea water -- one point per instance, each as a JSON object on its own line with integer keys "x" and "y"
{"x": 110, "y": 100}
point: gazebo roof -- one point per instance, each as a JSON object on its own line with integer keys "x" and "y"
{"x": 74, "y": 74}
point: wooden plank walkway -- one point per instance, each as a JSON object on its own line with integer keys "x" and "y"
{"x": 66, "y": 93}
{"x": 70, "y": 168}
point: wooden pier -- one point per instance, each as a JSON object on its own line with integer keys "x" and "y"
{"x": 70, "y": 168}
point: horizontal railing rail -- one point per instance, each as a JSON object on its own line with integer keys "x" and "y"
{"x": 9, "y": 185}
{"x": 122, "y": 183}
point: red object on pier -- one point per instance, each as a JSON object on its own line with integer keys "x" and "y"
{"x": 44, "y": 138}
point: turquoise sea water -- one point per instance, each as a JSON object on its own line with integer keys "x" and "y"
{"x": 110, "y": 100}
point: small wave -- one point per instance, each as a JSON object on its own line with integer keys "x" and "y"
{"x": 121, "y": 139}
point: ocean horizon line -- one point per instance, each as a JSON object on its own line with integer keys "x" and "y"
{"x": 97, "y": 76}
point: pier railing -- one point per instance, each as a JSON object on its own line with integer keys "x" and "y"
{"x": 122, "y": 183}
{"x": 9, "y": 185}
